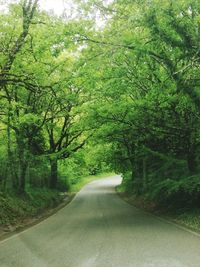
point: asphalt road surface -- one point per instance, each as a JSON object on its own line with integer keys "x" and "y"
{"x": 99, "y": 229}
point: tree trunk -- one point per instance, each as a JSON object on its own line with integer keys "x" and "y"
{"x": 22, "y": 178}
{"x": 11, "y": 159}
{"x": 135, "y": 175}
{"x": 54, "y": 173}
{"x": 144, "y": 169}
{"x": 192, "y": 161}
{"x": 23, "y": 164}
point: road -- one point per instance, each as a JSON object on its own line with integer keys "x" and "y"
{"x": 99, "y": 229}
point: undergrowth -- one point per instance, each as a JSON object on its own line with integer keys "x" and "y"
{"x": 14, "y": 209}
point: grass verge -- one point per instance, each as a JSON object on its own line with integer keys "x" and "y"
{"x": 17, "y": 214}
{"x": 88, "y": 179}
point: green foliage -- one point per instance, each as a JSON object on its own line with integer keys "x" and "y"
{"x": 191, "y": 218}
{"x": 87, "y": 179}
{"x": 177, "y": 194}
{"x": 146, "y": 100}
{"x": 14, "y": 210}
{"x": 126, "y": 93}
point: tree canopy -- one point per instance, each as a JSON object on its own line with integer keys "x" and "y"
{"x": 118, "y": 77}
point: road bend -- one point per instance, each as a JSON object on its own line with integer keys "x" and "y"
{"x": 99, "y": 229}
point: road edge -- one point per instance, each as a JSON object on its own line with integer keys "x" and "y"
{"x": 48, "y": 213}
{"x": 161, "y": 218}
{"x": 37, "y": 220}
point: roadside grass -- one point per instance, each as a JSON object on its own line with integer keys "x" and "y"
{"x": 189, "y": 218}
{"x": 88, "y": 179}
{"x": 14, "y": 210}
{"x": 16, "y": 213}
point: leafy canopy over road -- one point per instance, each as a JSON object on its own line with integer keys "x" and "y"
{"x": 127, "y": 88}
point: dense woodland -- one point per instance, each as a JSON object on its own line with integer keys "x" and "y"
{"x": 116, "y": 87}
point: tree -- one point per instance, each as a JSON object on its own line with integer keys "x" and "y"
{"x": 42, "y": 94}
{"x": 146, "y": 77}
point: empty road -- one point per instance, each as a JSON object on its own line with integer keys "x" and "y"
{"x": 99, "y": 229}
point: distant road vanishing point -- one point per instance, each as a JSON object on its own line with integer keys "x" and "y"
{"x": 99, "y": 229}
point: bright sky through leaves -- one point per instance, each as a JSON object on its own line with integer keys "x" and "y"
{"x": 57, "y": 6}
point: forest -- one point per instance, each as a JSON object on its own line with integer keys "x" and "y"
{"x": 113, "y": 86}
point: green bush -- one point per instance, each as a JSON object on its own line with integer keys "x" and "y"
{"x": 14, "y": 209}
{"x": 182, "y": 193}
